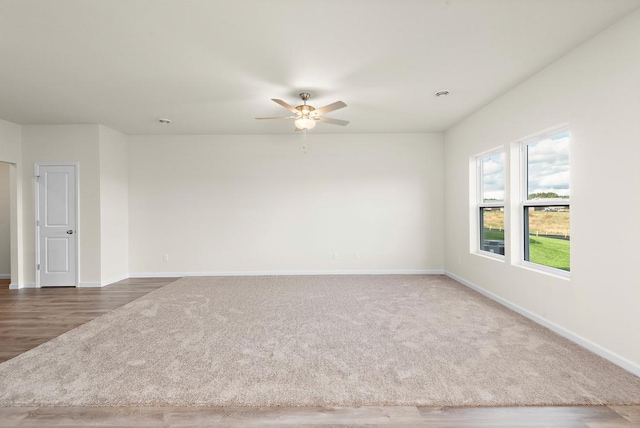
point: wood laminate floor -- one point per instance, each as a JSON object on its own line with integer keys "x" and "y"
{"x": 30, "y": 317}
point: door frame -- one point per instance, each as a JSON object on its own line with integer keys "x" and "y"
{"x": 36, "y": 182}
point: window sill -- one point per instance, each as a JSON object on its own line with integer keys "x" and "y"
{"x": 490, "y": 256}
{"x": 556, "y": 273}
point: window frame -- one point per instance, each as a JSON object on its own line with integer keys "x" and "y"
{"x": 526, "y": 203}
{"x": 481, "y": 204}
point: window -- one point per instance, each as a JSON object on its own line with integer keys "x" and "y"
{"x": 545, "y": 202}
{"x": 491, "y": 202}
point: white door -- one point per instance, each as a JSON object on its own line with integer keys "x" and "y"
{"x": 56, "y": 225}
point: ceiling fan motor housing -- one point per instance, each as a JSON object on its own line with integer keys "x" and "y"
{"x": 305, "y": 109}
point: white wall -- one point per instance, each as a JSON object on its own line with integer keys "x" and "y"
{"x": 65, "y": 143}
{"x": 11, "y": 151}
{"x": 5, "y": 220}
{"x": 596, "y": 90}
{"x": 114, "y": 206}
{"x": 10, "y": 142}
{"x": 217, "y": 204}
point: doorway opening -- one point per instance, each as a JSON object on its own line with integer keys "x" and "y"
{"x": 5, "y": 224}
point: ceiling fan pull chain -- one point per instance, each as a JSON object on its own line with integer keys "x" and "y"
{"x": 304, "y": 141}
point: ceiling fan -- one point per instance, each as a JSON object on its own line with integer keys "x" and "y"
{"x": 306, "y": 115}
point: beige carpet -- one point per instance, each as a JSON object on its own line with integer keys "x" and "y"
{"x": 302, "y": 341}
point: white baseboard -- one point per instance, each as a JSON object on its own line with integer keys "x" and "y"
{"x": 89, "y": 284}
{"x": 290, "y": 272}
{"x": 115, "y": 279}
{"x": 5, "y": 276}
{"x": 245, "y": 273}
{"x": 103, "y": 283}
{"x": 33, "y": 285}
{"x": 24, "y": 285}
{"x": 585, "y": 343}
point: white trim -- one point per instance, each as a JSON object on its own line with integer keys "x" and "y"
{"x": 525, "y": 202}
{"x": 547, "y": 270}
{"x": 545, "y": 133}
{"x": 555, "y": 202}
{"x": 88, "y": 285}
{"x": 103, "y": 283}
{"x": 480, "y": 204}
{"x": 5, "y": 276}
{"x": 489, "y": 255}
{"x": 246, "y": 273}
{"x": 575, "y": 338}
{"x": 19, "y": 286}
{"x": 114, "y": 279}
{"x": 291, "y": 272}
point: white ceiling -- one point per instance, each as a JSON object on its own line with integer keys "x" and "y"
{"x": 211, "y": 66}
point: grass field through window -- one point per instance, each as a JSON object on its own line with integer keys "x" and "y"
{"x": 552, "y": 251}
{"x": 497, "y": 235}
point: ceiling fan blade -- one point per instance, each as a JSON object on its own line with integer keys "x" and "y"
{"x": 277, "y": 117}
{"x": 333, "y": 121}
{"x": 285, "y": 105}
{"x": 330, "y": 107}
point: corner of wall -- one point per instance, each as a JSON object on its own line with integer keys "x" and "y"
{"x": 114, "y": 205}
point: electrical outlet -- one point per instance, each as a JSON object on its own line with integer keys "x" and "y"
{"x": 356, "y": 255}
{"x": 336, "y": 255}
{"x": 166, "y": 257}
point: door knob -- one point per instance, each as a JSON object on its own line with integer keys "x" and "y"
{"x": 70, "y": 232}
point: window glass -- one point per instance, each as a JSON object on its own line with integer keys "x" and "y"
{"x": 492, "y": 230}
{"x": 546, "y": 215}
{"x": 548, "y": 239}
{"x": 548, "y": 168}
{"x": 490, "y": 198}
{"x": 493, "y": 177}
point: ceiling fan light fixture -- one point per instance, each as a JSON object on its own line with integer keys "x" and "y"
{"x": 306, "y": 116}
{"x": 305, "y": 123}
